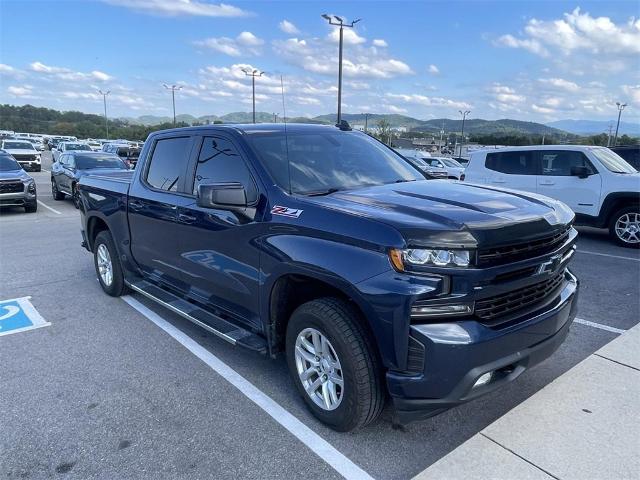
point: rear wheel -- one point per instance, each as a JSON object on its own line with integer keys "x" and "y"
{"x": 57, "y": 194}
{"x": 333, "y": 364}
{"x": 625, "y": 227}
{"x": 107, "y": 265}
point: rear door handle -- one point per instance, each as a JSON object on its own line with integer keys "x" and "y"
{"x": 498, "y": 181}
{"x": 548, "y": 182}
{"x": 135, "y": 205}
{"x": 184, "y": 218}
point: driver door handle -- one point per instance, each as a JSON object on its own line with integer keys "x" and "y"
{"x": 184, "y": 218}
{"x": 135, "y": 205}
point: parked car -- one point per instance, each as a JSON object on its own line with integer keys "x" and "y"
{"x": 323, "y": 243}
{"x": 599, "y": 186}
{"x": 128, "y": 153}
{"x": 23, "y": 152}
{"x": 630, "y": 153}
{"x": 17, "y": 188}
{"x": 95, "y": 145}
{"x": 72, "y": 165}
{"x": 462, "y": 161}
{"x": 452, "y": 168}
{"x": 64, "y": 147}
{"x": 420, "y": 160}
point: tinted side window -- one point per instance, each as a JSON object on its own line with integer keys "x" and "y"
{"x": 168, "y": 162}
{"x": 219, "y": 161}
{"x": 514, "y": 163}
{"x": 559, "y": 162}
{"x": 70, "y": 161}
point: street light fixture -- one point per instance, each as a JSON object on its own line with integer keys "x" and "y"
{"x": 253, "y": 74}
{"x": 104, "y": 99}
{"x": 173, "y": 89}
{"x": 339, "y": 22}
{"x": 620, "y": 108}
{"x": 464, "y": 117}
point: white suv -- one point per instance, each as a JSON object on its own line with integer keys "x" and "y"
{"x": 598, "y": 185}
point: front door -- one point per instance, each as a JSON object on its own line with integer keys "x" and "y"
{"x": 582, "y": 195}
{"x": 218, "y": 250}
{"x": 153, "y": 210}
{"x": 515, "y": 169}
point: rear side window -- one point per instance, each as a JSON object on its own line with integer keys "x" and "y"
{"x": 514, "y": 163}
{"x": 168, "y": 162}
{"x": 219, "y": 161}
{"x": 558, "y": 163}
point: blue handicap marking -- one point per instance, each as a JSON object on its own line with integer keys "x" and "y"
{"x": 19, "y": 315}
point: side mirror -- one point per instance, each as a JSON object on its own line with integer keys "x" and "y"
{"x": 580, "y": 171}
{"x": 226, "y": 196}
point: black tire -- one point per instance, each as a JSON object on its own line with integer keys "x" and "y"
{"x": 75, "y": 196}
{"x": 363, "y": 395}
{"x": 31, "y": 207}
{"x": 629, "y": 242}
{"x": 57, "y": 194}
{"x": 117, "y": 286}
{"x": 39, "y": 168}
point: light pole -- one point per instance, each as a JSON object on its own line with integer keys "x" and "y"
{"x": 366, "y": 121}
{"x": 464, "y": 117}
{"x": 341, "y": 24}
{"x": 253, "y": 74}
{"x": 173, "y": 89}
{"x": 104, "y": 99}
{"x": 620, "y": 108}
{"x": 275, "y": 118}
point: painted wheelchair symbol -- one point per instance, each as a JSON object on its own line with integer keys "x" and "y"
{"x": 19, "y": 315}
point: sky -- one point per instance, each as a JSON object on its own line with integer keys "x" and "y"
{"x": 528, "y": 60}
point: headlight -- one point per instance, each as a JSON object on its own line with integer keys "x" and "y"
{"x": 403, "y": 260}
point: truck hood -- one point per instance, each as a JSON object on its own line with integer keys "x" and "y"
{"x": 21, "y": 151}
{"x": 443, "y": 213}
{"x": 14, "y": 175}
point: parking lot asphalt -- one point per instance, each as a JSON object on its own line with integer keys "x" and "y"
{"x": 104, "y": 393}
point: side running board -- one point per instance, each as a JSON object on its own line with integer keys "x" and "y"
{"x": 210, "y": 322}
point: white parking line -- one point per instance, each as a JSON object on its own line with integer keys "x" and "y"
{"x": 45, "y": 170}
{"x": 312, "y": 440}
{"x": 609, "y": 255}
{"x": 47, "y": 206}
{"x": 599, "y": 325}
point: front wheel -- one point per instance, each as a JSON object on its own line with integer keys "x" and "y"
{"x": 31, "y": 207}
{"x": 334, "y": 365}
{"x": 107, "y": 265}
{"x": 624, "y": 228}
{"x": 75, "y": 196}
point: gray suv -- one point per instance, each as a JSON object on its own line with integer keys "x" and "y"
{"x": 17, "y": 188}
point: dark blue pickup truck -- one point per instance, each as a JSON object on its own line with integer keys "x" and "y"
{"x": 323, "y": 243}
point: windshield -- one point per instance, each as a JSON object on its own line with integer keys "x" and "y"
{"x": 103, "y": 161}
{"x": 451, "y": 163}
{"x": 329, "y": 161}
{"x": 7, "y": 163}
{"x": 76, "y": 146}
{"x": 612, "y": 161}
{"x": 18, "y": 145}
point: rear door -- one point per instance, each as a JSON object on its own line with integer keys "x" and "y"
{"x": 152, "y": 209}
{"x": 515, "y": 169}
{"x": 218, "y": 250}
{"x": 582, "y": 195}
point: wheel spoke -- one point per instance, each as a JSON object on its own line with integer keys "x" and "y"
{"x": 336, "y": 379}
{"x": 312, "y": 387}
{"x": 307, "y": 373}
{"x": 309, "y": 357}
{"x": 326, "y": 396}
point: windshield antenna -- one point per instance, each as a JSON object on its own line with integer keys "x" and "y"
{"x": 286, "y": 136}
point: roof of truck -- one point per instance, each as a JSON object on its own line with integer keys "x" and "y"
{"x": 257, "y": 127}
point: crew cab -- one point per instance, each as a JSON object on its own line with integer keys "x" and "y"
{"x": 24, "y": 153}
{"x": 597, "y": 184}
{"x": 326, "y": 245}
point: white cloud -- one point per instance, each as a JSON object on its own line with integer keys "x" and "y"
{"x": 307, "y": 101}
{"x": 433, "y": 70}
{"x": 349, "y": 36}
{"x": 505, "y": 94}
{"x": 379, "y": 43}
{"x": 174, "y": 8}
{"x": 287, "y": 27}
{"x": 246, "y": 43}
{"x": 8, "y": 70}
{"x": 532, "y": 45}
{"x": 417, "y": 99}
{"x": 24, "y": 91}
{"x": 633, "y": 92}
{"x": 394, "y": 109}
{"x": 68, "y": 74}
{"x": 543, "y": 110}
{"x": 560, "y": 83}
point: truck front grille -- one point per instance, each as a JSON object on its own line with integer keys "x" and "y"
{"x": 499, "y": 308}
{"x": 522, "y": 251}
{"x": 12, "y": 186}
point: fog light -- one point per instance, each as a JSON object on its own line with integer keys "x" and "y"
{"x": 483, "y": 380}
{"x": 440, "y": 310}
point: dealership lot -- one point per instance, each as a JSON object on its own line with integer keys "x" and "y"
{"x": 103, "y": 392}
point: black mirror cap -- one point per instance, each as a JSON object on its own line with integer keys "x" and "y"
{"x": 222, "y": 195}
{"x": 580, "y": 171}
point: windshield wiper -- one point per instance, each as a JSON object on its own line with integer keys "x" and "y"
{"x": 321, "y": 193}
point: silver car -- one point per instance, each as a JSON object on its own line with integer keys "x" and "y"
{"x": 17, "y": 188}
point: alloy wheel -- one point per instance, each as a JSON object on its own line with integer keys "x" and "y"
{"x": 105, "y": 267}
{"x": 319, "y": 369}
{"x": 627, "y": 228}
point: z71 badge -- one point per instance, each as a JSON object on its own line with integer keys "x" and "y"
{"x": 286, "y": 211}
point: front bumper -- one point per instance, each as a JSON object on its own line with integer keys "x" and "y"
{"x": 17, "y": 199}
{"x": 30, "y": 165}
{"x": 457, "y": 354}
